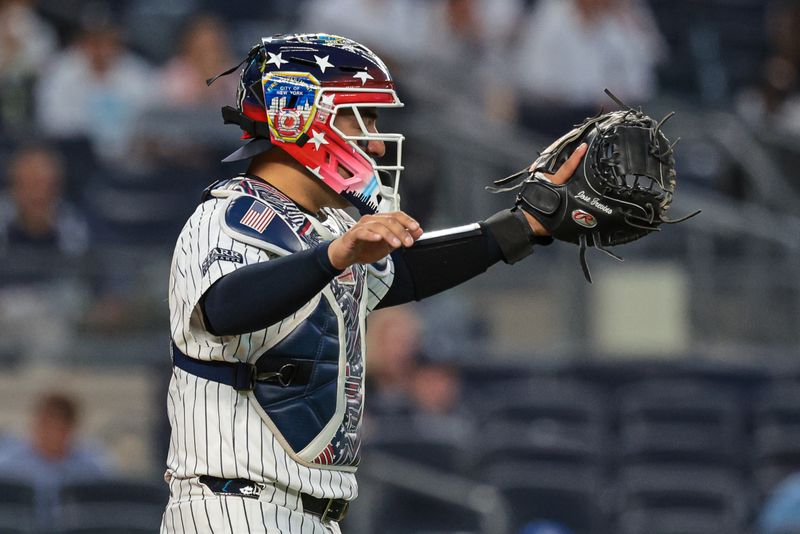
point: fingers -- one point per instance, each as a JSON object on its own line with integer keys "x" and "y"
{"x": 403, "y": 218}
{"x": 393, "y": 233}
{"x": 398, "y": 228}
{"x": 565, "y": 172}
{"x": 376, "y": 233}
{"x": 372, "y": 238}
{"x": 365, "y": 234}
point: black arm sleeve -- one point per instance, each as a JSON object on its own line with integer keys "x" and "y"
{"x": 258, "y": 295}
{"x": 453, "y": 257}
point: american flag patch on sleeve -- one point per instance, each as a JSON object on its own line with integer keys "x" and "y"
{"x": 258, "y": 217}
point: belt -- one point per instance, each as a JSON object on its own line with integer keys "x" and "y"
{"x": 243, "y": 376}
{"x": 325, "y": 509}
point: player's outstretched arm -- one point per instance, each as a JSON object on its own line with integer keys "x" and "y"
{"x": 256, "y": 296}
{"x": 444, "y": 259}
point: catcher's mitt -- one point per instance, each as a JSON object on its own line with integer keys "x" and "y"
{"x": 620, "y": 192}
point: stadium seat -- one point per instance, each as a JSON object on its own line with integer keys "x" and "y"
{"x": 400, "y": 511}
{"x": 547, "y": 492}
{"x": 555, "y": 421}
{"x": 680, "y": 500}
{"x": 680, "y": 421}
{"x": 482, "y": 378}
{"x": 777, "y": 434}
{"x": 572, "y": 407}
{"x": 112, "y": 505}
{"x": 17, "y": 507}
{"x": 505, "y": 443}
{"x": 442, "y": 452}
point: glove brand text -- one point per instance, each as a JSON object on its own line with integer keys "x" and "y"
{"x": 593, "y": 202}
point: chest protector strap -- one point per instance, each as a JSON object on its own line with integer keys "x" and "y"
{"x": 243, "y": 376}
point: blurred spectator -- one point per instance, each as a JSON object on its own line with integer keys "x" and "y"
{"x": 404, "y": 381}
{"x": 393, "y": 337}
{"x": 466, "y": 51}
{"x": 781, "y": 512}
{"x": 447, "y": 41}
{"x": 395, "y": 29}
{"x": 775, "y": 102}
{"x": 43, "y": 241}
{"x": 204, "y": 52}
{"x": 95, "y": 89}
{"x": 52, "y": 456}
{"x": 436, "y": 401}
{"x": 462, "y": 32}
{"x": 436, "y": 388}
{"x": 26, "y": 42}
{"x": 570, "y": 50}
{"x": 188, "y": 104}
{"x": 34, "y": 215}
{"x": 412, "y": 32}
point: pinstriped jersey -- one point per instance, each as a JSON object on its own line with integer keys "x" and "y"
{"x": 220, "y": 432}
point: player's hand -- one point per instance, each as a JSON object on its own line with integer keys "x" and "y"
{"x": 372, "y": 238}
{"x": 561, "y": 176}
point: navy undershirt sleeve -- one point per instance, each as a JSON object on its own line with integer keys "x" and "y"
{"x": 256, "y": 296}
{"x": 424, "y": 270}
{"x": 259, "y": 295}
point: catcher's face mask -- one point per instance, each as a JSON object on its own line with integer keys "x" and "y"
{"x": 290, "y": 92}
{"x": 360, "y": 178}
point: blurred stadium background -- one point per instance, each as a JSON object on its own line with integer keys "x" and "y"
{"x": 662, "y": 399}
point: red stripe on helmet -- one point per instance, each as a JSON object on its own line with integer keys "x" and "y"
{"x": 254, "y": 112}
{"x": 364, "y": 98}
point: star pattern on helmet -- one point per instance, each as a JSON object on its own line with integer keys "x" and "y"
{"x": 315, "y": 171}
{"x": 323, "y": 62}
{"x": 326, "y": 100}
{"x": 318, "y": 138}
{"x": 363, "y": 76}
{"x": 276, "y": 59}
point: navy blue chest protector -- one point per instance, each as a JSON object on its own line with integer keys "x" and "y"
{"x": 315, "y": 370}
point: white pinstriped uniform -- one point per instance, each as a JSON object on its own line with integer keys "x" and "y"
{"x": 220, "y": 432}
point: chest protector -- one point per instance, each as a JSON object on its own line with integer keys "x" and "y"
{"x": 317, "y": 423}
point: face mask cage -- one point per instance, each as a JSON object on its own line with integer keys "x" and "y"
{"x": 387, "y": 174}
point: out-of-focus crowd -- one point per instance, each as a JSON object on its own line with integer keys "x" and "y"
{"x": 108, "y": 132}
{"x": 108, "y": 129}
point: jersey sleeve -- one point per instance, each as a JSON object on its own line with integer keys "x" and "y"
{"x": 222, "y": 236}
{"x": 205, "y": 253}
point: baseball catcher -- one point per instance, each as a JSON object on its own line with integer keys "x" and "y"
{"x": 272, "y": 282}
{"x": 620, "y": 192}
{"x": 272, "y": 279}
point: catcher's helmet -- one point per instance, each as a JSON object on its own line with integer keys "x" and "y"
{"x": 290, "y": 90}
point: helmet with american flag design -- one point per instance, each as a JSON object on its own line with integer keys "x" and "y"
{"x": 290, "y": 90}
